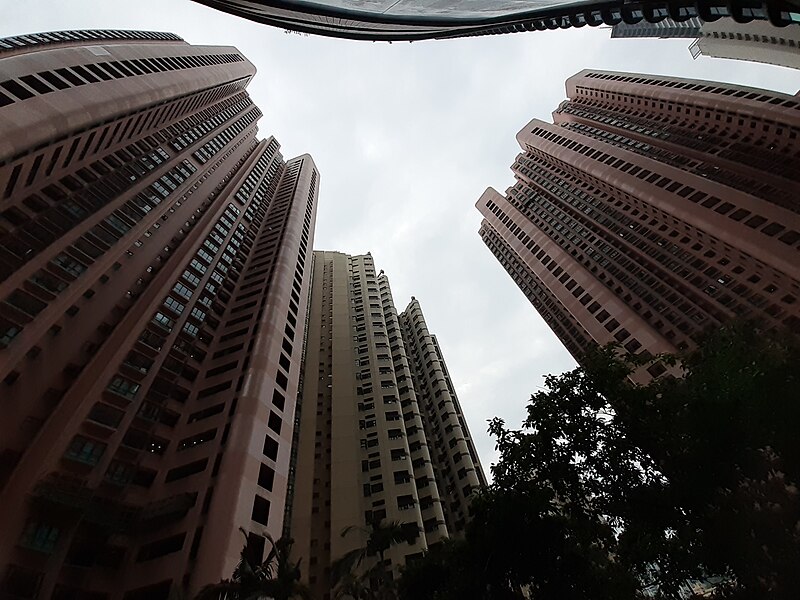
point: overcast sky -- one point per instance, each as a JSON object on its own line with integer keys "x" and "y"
{"x": 407, "y": 137}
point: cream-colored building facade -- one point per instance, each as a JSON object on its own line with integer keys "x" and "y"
{"x": 756, "y": 41}
{"x": 380, "y": 432}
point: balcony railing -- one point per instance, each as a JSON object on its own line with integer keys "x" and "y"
{"x": 109, "y": 513}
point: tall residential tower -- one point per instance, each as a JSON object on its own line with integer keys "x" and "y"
{"x": 380, "y": 433}
{"x": 654, "y": 208}
{"x": 153, "y": 283}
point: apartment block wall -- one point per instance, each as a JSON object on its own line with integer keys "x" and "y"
{"x": 153, "y": 290}
{"x": 457, "y": 470}
{"x": 362, "y": 449}
{"x": 652, "y": 209}
{"x": 757, "y": 42}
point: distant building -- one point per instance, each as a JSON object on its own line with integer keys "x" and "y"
{"x": 666, "y": 28}
{"x": 154, "y": 270}
{"x": 408, "y": 20}
{"x": 652, "y": 209}
{"x": 380, "y": 432}
{"x": 757, "y": 41}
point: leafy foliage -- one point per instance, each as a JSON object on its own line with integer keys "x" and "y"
{"x": 277, "y": 577}
{"x": 614, "y": 490}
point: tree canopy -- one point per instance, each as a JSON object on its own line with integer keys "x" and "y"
{"x": 616, "y": 490}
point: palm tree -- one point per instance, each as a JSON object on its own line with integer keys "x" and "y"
{"x": 373, "y": 584}
{"x": 353, "y": 587}
{"x": 277, "y": 577}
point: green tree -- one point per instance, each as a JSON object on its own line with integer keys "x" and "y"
{"x": 611, "y": 488}
{"x": 277, "y": 577}
{"x": 725, "y": 438}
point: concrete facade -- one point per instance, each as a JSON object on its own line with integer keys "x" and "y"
{"x": 756, "y": 42}
{"x": 652, "y": 209}
{"x": 154, "y": 272}
{"x": 380, "y": 433}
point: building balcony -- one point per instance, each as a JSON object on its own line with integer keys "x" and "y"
{"x": 134, "y": 371}
{"x": 63, "y": 491}
{"x": 97, "y": 429}
{"x": 109, "y": 513}
{"x": 168, "y": 510}
{"x": 39, "y": 291}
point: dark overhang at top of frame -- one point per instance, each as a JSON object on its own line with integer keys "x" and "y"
{"x": 409, "y": 20}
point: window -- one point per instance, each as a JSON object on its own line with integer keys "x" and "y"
{"x": 270, "y": 448}
{"x": 174, "y": 305}
{"x": 405, "y": 502}
{"x": 266, "y": 477}
{"x": 73, "y": 267}
{"x": 281, "y": 380}
{"x": 186, "y": 470}
{"x": 182, "y": 290}
{"x": 278, "y": 400}
{"x": 85, "y": 450}
{"x": 120, "y": 473}
{"x": 260, "y": 512}
{"x": 739, "y": 214}
{"x": 16, "y": 89}
{"x": 105, "y": 415}
{"x": 161, "y": 547}
{"x": 41, "y": 537}
{"x": 191, "y": 277}
{"x": 7, "y": 333}
{"x": 198, "y": 266}
{"x": 772, "y": 229}
{"x": 123, "y": 387}
{"x": 197, "y": 439}
{"x": 275, "y": 422}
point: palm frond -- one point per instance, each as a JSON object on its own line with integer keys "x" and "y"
{"x": 275, "y": 578}
{"x": 346, "y": 564}
{"x": 220, "y": 591}
{"x": 346, "y": 531}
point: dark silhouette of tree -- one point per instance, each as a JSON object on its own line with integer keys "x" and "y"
{"x": 347, "y": 577}
{"x": 276, "y": 578}
{"x": 612, "y": 488}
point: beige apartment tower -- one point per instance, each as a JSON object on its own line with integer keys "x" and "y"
{"x": 380, "y": 432}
